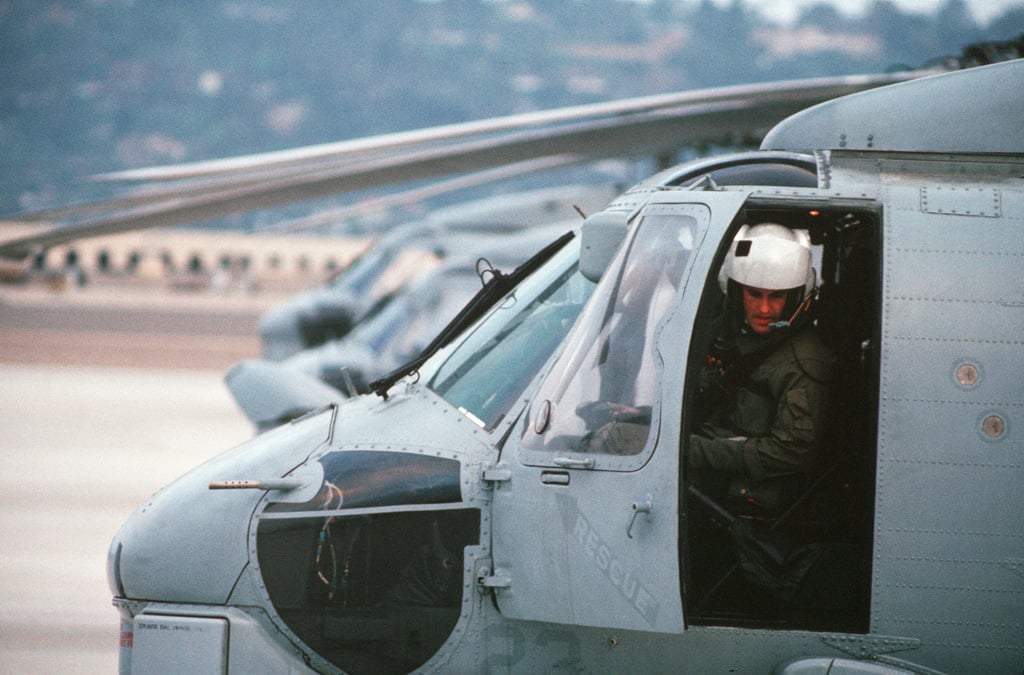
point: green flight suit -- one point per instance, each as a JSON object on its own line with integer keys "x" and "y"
{"x": 768, "y": 426}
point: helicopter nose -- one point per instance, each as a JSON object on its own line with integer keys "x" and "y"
{"x": 189, "y": 543}
{"x": 183, "y": 545}
{"x": 307, "y": 320}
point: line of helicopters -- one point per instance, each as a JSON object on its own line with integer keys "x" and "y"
{"x": 459, "y": 517}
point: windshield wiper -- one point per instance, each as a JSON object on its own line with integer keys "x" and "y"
{"x": 494, "y": 289}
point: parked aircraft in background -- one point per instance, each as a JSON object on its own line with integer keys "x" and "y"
{"x": 486, "y": 509}
{"x": 505, "y": 229}
{"x": 271, "y": 392}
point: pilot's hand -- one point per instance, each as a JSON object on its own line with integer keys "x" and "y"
{"x": 619, "y": 410}
{"x": 597, "y": 413}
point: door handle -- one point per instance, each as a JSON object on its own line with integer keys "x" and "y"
{"x": 573, "y": 462}
{"x": 638, "y": 508}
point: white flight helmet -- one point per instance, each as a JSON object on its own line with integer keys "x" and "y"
{"x": 769, "y": 256}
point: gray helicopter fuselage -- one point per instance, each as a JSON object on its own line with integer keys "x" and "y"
{"x": 493, "y": 513}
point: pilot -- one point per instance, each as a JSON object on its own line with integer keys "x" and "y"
{"x": 761, "y": 396}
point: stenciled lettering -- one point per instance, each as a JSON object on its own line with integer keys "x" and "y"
{"x": 624, "y": 580}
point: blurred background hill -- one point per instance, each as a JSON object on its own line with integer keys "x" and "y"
{"x": 90, "y": 86}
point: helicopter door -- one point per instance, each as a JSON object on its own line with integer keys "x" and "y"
{"x": 585, "y": 508}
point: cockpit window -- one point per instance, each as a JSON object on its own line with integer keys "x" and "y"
{"x": 598, "y": 398}
{"x": 485, "y": 373}
{"x": 372, "y": 593}
{"x": 370, "y": 573}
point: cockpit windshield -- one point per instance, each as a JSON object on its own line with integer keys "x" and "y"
{"x": 483, "y": 374}
{"x": 599, "y": 395}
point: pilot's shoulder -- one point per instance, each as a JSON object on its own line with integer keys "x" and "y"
{"x": 807, "y": 338}
{"x": 813, "y": 355}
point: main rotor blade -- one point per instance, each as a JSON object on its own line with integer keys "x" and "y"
{"x": 652, "y": 126}
{"x": 813, "y": 89}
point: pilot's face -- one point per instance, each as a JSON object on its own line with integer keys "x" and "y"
{"x": 762, "y": 308}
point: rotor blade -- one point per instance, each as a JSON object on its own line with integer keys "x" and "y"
{"x": 255, "y": 169}
{"x": 657, "y": 130}
{"x": 813, "y": 88}
{"x": 192, "y": 180}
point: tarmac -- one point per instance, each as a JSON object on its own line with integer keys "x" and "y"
{"x": 106, "y": 395}
{"x": 125, "y": 325}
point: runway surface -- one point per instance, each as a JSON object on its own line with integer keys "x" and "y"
{"x": 102, "y": 402}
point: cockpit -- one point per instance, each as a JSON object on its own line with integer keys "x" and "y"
{"x": 369, "y": 572}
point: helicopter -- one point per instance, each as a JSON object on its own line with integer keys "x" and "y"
{"x": 461, "y": 518}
